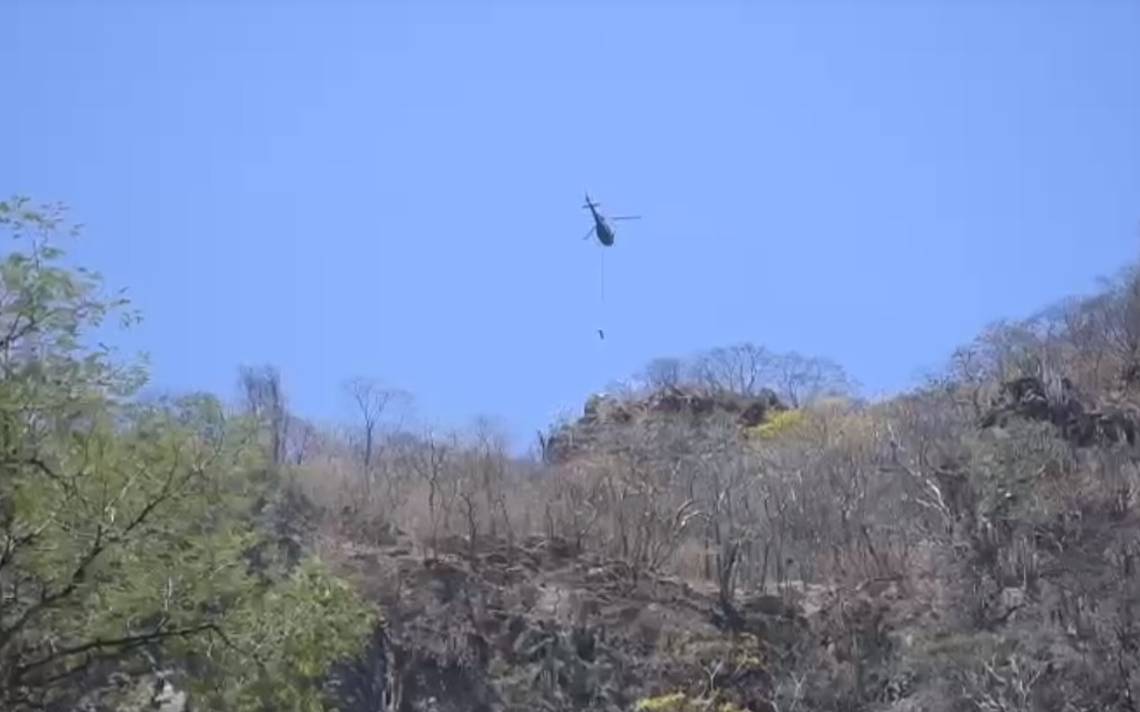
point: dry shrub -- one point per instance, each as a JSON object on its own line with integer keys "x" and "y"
{"x": 1010, "y": 533}
{"x": 439, "y": 488}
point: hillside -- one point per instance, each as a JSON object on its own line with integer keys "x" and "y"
{"x": 735, "y": 531}
{"x": 966, "y": 546}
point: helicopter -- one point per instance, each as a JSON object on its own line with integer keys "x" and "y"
{"x": 605, "y": 235}
{"x": 602, "y": 228}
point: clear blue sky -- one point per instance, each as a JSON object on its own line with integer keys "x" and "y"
{"x": 393, "y": 188}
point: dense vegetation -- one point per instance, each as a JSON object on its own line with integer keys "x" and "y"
{"x": 126, "y": 527}
{"x": 734, "y": 530}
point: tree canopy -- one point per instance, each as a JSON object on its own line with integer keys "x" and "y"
{"x": 126, "y": 528}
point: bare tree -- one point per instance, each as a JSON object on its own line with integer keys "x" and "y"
{"x": 301, "y": 440}
{"x": 490, "y": 469}
{"x": 577, "y": 501}
{"x": 740, "y": 368}
{"x": 801, "y": 379}
{"x": 265, "y": 401}
{"x": 371, "y": 401}
{"x": 663, "y": 373}
{"x": 433, "y": 463}
{"x": 1102, "y": 333}
{"x": 645, "y": 492}
{"x": 724, "y": 473}
{"x": 745, "y": 369}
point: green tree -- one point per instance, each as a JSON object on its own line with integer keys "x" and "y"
{"x": 125, "y": 528}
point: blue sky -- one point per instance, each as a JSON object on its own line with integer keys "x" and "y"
{"x": 393, "y": 189}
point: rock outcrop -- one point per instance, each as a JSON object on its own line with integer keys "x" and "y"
{"x": 607, "y": 414}
{"x": 1028, "y": 398}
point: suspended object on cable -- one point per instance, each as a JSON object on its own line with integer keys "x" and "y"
{"x": 605, "y": 234}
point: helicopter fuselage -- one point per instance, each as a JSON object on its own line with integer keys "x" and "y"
{"x": 605, "y": 234}
{"x": 602, "y": 229}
